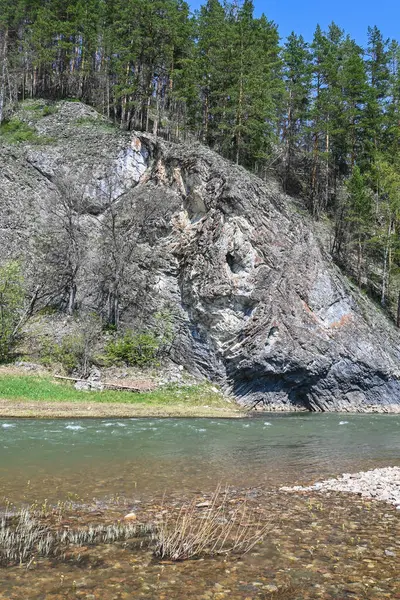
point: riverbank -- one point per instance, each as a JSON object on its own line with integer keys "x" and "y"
{"x": 87, "y": 409}
{"x": 33, "y": 395}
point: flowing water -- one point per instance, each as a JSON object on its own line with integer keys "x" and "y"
{"x": 329, "y": 547}
{"x": 98, "y": 458}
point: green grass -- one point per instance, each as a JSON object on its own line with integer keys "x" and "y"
{"x": 98, "y": 123}
{"x": 42, "y": 110}
{"x": 16, "y": 131}
{"x": 28, "y": 388}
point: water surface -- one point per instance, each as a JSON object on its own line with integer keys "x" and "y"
{"x": 57, "y": 459}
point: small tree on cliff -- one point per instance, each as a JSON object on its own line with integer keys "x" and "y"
{"x": 60, "y": 246}
{"x": 11, "y": 307}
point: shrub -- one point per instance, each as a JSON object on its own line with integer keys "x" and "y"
{"x": 142, "y": 348}
{"x": 11, "y": 305}
{"x": 135, "y": 349}
{"x": 164, "y": 326}
{"x": 214, "y": 530}
{"x": 25, "y": 535}
{"x": 49, "y": 110}
{"x": 70, "y": 352}
{"x": 75, "y": 351}
{"x": 16, "y": 131}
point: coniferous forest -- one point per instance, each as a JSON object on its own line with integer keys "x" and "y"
{"x": 322, "y": 116}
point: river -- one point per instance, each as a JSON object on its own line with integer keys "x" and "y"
{"x": 328, "y": 547}
{"x": 98, "y": 458}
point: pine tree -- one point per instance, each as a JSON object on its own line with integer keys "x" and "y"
{"x": 250, "y": 121}
{"x": 213, "y": 50}
{"x": 386, "y": 171}
{"x": 375, "y": 108}
{"x": 353, "y": 83}
{"x": 392, "y": 136}
{"x": 359, "y": 215}
{"x": 298, "y": 78}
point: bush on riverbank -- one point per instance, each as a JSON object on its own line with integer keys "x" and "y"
{"x": 77, "y": 344}
{"x": 11, "y": 305}
{"x": 133, "y": 349}
{"x": 142, "y": 348}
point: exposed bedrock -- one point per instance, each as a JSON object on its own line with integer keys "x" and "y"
{"x": 259, "y": 305}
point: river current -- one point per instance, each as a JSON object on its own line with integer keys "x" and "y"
{"x": 60, "y": 459}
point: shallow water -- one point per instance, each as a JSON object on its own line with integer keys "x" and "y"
{"x": 58, "y": 459}
{"x": 331, "y": 546}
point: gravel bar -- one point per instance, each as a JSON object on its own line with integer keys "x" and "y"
{"x": 378, "y": 484}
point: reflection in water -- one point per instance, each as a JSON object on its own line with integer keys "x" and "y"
{"x": 99, "y": 458}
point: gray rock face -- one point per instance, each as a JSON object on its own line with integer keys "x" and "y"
{"x": 258, "y": 304}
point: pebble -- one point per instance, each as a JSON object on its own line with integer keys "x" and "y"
{"x": 130, "y": 517}
{"x": 379, "y": 484}
{"x": 271, "y": 588}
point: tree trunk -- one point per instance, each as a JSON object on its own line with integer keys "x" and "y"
{"x": 71, "y": 299}
{"x": 288, "y": 142}
{"x": 385, "y": 266}
{"x": 3, "y": 71}
{"x": 398, "y": 311}
{"x": 157, "y": 115}
{"x": 205, "y": 119}
{"x": 327, "y": 169}
{"x": 240, "y": 108}
{"x": 359, "y": 261}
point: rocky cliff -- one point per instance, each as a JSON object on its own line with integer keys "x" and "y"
{"x": 258, "y": 304}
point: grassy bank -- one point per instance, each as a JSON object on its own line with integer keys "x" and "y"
{"x": 23, "y": 395}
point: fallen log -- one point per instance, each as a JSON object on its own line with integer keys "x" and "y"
{"x": 146, "y": 386}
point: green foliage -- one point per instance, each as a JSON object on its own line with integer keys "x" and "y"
{"x": 49, "y": 110}
{"x": 96, "y": 122}
{"x": 136, "y": 349}
{"x": 142, "y": 348}
{"x": 360, "y": 202}
{"x": 69, "y": 352}
{"x": 16, "y": 131}
{"x": 164, "y": 327}
{"x": 11, "y": 305}
{"x": 39, "y": 109}
{"x": 75, "y": 352}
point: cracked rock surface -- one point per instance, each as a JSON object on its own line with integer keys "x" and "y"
{"x": 258, "y": 304}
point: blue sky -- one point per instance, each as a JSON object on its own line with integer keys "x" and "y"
{"x": 353, "y": 16}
